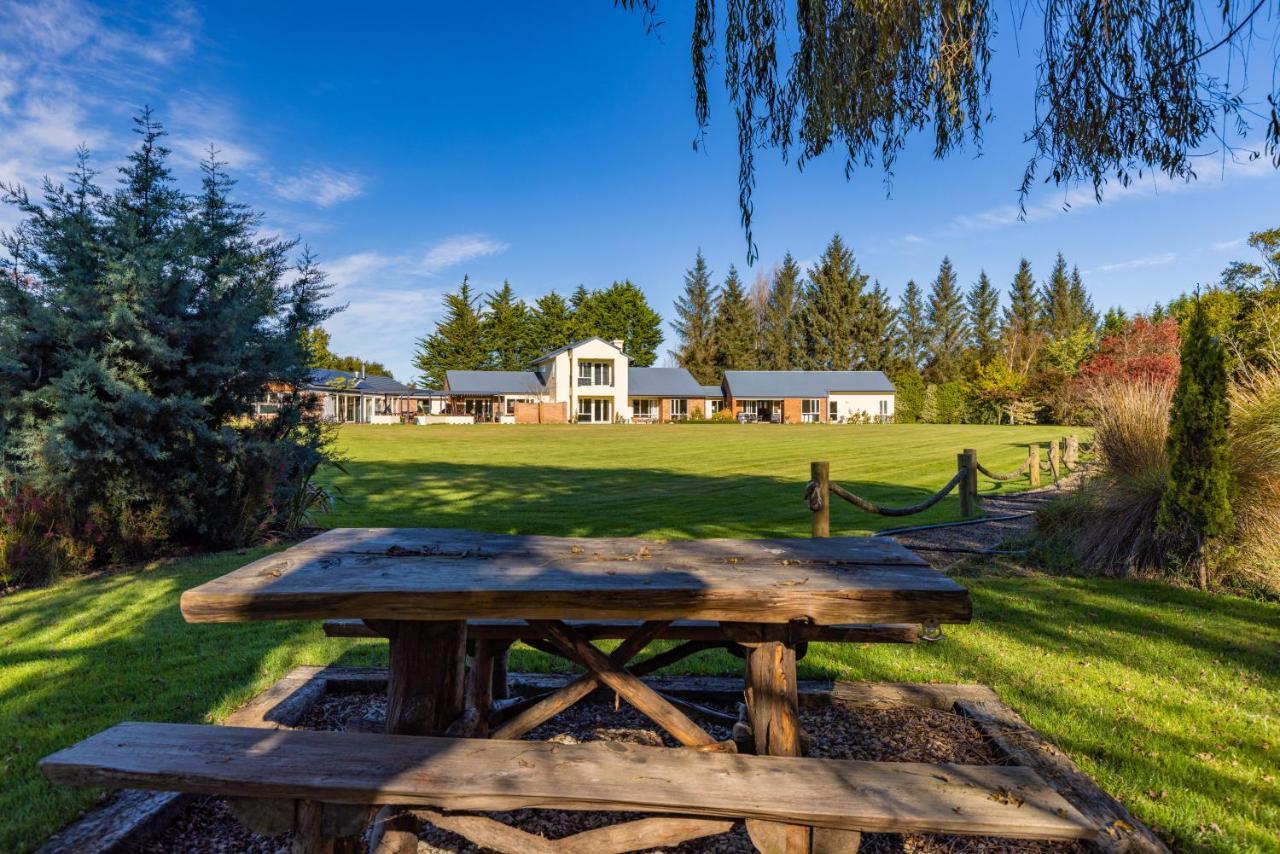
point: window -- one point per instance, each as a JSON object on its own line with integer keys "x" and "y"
{"x": 762, "y": 410}
{"x": 714, "y": 406}
{"x": 512, "y": 401}
{"x": 679, "y": 409}
{"x": 269, "y": 403}
{"x": 884, "y": 408}
{"x": 595, "y": 410}
{"x": 595, "y": 374}
{"x": 833, "y": 411}
{"x": 643, "y": 407}
{"x": 811, "y": 409}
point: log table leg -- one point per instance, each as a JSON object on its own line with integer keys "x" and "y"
{"x": 425, "y": 694}
{"x": 773, "y": 713}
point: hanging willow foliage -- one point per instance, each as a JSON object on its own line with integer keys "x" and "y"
{"x": 1121, "y": 87}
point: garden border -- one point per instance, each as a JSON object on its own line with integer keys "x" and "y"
{"x": 130, "y": 817}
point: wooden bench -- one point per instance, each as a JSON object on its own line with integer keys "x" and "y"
{"x": 325, "y": 785}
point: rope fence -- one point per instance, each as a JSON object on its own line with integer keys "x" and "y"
{"x": 1064, "y": 457}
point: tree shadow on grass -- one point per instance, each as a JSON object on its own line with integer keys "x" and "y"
{"x": 536, "y": 499}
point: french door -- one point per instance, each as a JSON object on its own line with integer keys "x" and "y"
{"x": 595, "y": 410}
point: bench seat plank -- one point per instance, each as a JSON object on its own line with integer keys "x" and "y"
{"x": 486, "y": 775}
{"x": 699, "y": 630}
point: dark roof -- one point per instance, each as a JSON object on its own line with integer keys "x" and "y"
{"x": 662, "y": 382}
{"x": 712, "y": 391}
{"x": 495, "y": 382}
{"x": 570, "y": 346}
{"x": 328, "y": 379}
{"x": 775, "y": 384}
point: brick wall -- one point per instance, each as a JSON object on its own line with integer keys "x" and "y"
{"x": 540, "y": 413}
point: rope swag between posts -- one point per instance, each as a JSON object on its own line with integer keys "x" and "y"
{"x": 1064, "y": 456}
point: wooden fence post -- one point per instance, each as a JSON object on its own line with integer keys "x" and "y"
{"x": 1072, "y": 454}
{"x": 972, "y": 454}
{"x": 1033, "y": 464}
{"x": 964, "y": 462}
{"x": 820, "y": 474}
{"x": 1055, "y": 459}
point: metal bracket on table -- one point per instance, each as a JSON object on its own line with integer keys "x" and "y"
{"x": 931, "y": 630}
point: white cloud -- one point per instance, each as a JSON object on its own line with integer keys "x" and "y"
{"x": 1225, "y": 171}
{"x": 1224, "y": 245}
{"x": 1136, "y": 263}
{"x": 392, "y": 300}
{"x": 452, "y": 251}
{"x": 320, "y": 186}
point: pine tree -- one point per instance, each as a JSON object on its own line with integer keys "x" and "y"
{"x": 983, "y": 308}
{"x": 912, "y": 329}
{"x": 781, "y": 332}
{"x": 137, "y": 328}
{"x": 1059, "y": 317}
{"x": 947, "y": 326}
{"x": 458, "y": 340}
{"x": 734, "y": 328}
{"x": 1086, "y": 315}
{"x": 695, "y": 314}
{"x": 833, "y": 304}
{"x": 550, "y": 324}
{"x": 1020, "y": 331}
{"x": 506, "y": 330}
{"x": 1195, "y": 509}
{"x": 875, "y": 342}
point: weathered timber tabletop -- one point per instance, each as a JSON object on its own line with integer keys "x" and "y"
{"x": 411, "y": 574}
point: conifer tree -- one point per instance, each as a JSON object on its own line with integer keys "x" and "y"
{"x": 137, "y": 328}
{"x": 458, "y": 340}
{"x": 506, "y": 330}
{"x": 1020, "y": 331}
{"x": 948, "y": 330}
{"x": 912, "y": 328}
{"x": 695, "y": 316}
{"x": 320, "y": 356}
{"x": 781, "y": 333}
{"x": 982, "y": 305}
{"x": 833, "y": 305}
{"x": 1059, "y": 316}
{"x": 1195, "y": 508}
{"x": 1081, "y": 304}
{"x": 550, "y": 324}
{"x": 734, "y": 328}
{"x": 878, "y": 318}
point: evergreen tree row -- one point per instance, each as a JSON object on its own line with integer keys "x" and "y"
{"x": 835, "y": 317}
{"x": 499, "y": 331}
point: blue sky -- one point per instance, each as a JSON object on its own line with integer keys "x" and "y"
{"x": 408, "y": 146}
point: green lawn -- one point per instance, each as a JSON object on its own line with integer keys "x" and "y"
{"x": 689, "y": 481}
{"x": 1169, "y": 697}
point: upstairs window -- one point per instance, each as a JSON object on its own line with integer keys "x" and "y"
{"x": 595, "y": 374}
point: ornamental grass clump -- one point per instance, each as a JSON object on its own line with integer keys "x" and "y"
{"x": 1110, "y": 524}
{"x": 1186, "y": 484}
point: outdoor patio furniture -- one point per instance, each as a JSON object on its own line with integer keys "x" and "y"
{"x": 431, "y": 591}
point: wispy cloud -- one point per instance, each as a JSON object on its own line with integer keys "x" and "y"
{"x": 393, "y": 299}
{"x": 452, "y": 251}
{"x": 320, "y": 186}
{"x": 1137, "y": 263}
{"x": 1212, "y": 176}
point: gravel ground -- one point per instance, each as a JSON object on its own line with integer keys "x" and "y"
{"x": 936, "y": 545}
{"x": 901, "y": 735}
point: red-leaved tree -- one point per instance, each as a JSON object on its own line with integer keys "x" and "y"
{"x": 1146, "y": 351}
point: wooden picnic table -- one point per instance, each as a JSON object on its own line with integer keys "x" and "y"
{"x": 418, "y": 587}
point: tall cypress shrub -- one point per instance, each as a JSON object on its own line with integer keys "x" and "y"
{"x": 1195, "y": 510}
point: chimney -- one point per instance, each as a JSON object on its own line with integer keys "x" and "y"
{"x": 617, "y": 342}
{"x": 362, "y": 370}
